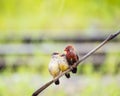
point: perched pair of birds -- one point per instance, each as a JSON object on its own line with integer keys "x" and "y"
{"x": 61, "y": 62}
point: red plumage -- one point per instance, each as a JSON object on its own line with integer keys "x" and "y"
{"x": 71, "y": 56}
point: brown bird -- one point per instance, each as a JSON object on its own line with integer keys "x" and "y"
{"x": 63, "y": 64}
{"x": 71, "y": 56}
{"x": 54, "y": 66}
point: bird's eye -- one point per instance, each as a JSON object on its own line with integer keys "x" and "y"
{"x": 67, "y": 49}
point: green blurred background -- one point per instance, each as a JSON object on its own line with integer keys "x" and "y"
{"x": 30, "y": 30}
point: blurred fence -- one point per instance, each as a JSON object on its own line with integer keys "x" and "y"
{"x": 29, "y": 46}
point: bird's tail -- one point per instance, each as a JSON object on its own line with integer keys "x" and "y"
{"x": 74, "y": 70}
{"x": 67, "y": 75}
{"x": 57, "y": 82}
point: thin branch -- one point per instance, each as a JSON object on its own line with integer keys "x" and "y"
{"x": 42, "y": 88}
{"x": 110, "y": 37}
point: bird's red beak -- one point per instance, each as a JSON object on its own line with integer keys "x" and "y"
{"x": 65, "y": 49}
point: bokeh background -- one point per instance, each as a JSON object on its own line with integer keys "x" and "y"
{"x": 30, "y": 30}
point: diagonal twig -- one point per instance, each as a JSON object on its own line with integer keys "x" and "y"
{"x": 110, "y": 37}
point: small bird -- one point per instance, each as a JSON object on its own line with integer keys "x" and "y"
{"x": 63, "y": 64}
{"x": 54, "y": 66}
{"x": 71, "y": 56}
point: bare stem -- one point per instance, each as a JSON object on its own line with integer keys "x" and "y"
{"x": 110, "y": 37}
{"x": 42, "y": 88}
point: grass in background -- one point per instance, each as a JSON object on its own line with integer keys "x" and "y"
{"x": 28, "y": 78}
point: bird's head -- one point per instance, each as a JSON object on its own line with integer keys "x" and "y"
{"x": 55, "y": 54}
{"x": 69, "y": 48}
{"x": 62, "y": 55}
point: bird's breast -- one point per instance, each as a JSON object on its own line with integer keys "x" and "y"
{"x": 54, "y": 68}
{"x": 64, "y": 66}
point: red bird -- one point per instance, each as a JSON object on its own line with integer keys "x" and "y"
{"x": 71, "y": 56}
